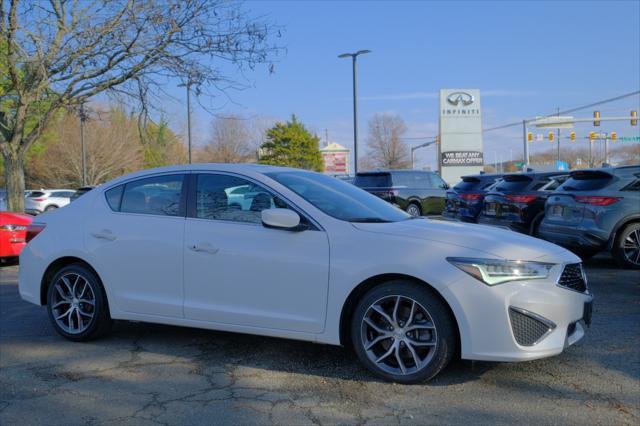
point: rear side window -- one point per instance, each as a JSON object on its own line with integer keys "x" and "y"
{"x": 36, "y": 194}
{"x": 633, "y": 186}
{"x": 373, "y": 180}
{"x": 114, "y": 196}
{"x": 514, "y": 183}
{"x": 586, "y": 181}
{"x": 159, "y": 195}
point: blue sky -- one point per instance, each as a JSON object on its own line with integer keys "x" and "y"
{"x": 527, "y": 58}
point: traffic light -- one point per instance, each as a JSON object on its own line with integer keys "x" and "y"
{"x": 438, "y": 140}
{"x": 529, "y": 137}
{"x": 596, "y": 116}
{"x": 592, "y": 136}
{"x": 572, "y": 136}
{"x": 550, "y": 136}
{"x": 614, "y": 136}
{"x": 634, "y": 118}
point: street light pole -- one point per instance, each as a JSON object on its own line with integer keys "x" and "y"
{"x": 355, "y": 103}
{"x": 187, "y": 85}
{"x": 83, "y": 118}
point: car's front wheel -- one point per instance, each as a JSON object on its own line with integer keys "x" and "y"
{"x": 414, "y": 210}
{"x": 403, "y": 332}
{"x": 626, "y": 249}
{"x": 77, "y": 304}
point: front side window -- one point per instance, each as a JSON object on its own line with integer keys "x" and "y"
{"x": 337, "y": 198}
{"x": 224, "y": 197}
{"x": 437, "y": 181}
{"x": 158, "y": 195}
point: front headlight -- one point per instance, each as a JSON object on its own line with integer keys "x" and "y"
{"x": 495, "y": 271}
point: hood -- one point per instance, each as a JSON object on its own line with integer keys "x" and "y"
{"x": 496, "y": 242}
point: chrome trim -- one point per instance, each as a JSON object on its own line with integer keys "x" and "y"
{"x": 550, "y": 324}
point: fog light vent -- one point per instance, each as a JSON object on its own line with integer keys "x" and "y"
{"x": 528, "y": 328}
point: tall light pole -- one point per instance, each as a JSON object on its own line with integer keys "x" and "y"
{"x": 353, "y": 56}
{"x": 83, "y": 118}
{"x": 188, "y": 86}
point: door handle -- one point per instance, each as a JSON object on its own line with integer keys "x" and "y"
{"x": 204, "y": 248}
{"x": 105, "y": 234}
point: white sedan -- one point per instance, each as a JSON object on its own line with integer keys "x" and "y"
{"x": 306, "y": 257}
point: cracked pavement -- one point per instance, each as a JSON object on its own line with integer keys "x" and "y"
{"x": 147, "y": 374}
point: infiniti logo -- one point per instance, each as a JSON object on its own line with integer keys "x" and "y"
{"x": 463, "y": 98}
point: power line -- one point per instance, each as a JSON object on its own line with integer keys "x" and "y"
{"x": 519, "y": 123}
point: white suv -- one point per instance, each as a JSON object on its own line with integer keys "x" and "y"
{"x": 43, "y": 200}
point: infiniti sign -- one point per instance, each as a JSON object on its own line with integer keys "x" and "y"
{"x": 463, "y": 98}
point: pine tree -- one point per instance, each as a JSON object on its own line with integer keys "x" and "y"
{"x": 290, "y": 144}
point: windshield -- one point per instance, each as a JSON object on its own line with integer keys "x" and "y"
{"x": 339, "y": 199}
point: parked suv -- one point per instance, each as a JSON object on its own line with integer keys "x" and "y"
{"x": 597, "y": 209}
{"x": 43, "y": 200}
{"x": 417, "y": 192}
{"x": 517, "y": 201}
{"x": 464, "y": 200}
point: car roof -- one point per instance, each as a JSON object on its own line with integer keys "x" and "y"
{"x": 535, "y": 175}
{"x": 632, "y": 170}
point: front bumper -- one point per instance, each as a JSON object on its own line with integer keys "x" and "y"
{"x": 485, "y": 317}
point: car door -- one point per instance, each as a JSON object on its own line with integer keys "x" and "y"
{"x": 239, "y": 272}
{"x": 434, "y": 192}
{"x": 135, "y": 234}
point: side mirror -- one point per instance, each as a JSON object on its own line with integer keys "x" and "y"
{"x": 280, "y": 219}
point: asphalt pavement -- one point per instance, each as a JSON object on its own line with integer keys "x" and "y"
{"x": 147, "y": 374}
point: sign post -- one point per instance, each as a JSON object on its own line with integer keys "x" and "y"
{"x": 460, "y": 149}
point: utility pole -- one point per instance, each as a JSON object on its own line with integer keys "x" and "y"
{"x": 83, "y": 118}
{"x": 558, "y": 136}
{"x": 526, "y": 144}
{"x": 188, "y": 87}
{"x": 606, "y": 148}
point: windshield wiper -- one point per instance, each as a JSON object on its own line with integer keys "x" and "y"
{"x": 368, "y": 220}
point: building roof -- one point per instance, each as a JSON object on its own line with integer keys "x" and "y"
{"x": 333, "y": 146}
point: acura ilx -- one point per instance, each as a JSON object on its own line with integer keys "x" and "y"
{"x": 295, "y": 254}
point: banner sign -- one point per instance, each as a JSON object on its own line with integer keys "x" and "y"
{"x": 462, "y": 158}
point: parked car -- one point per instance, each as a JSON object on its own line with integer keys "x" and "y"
{"x": 597, "y": 209}
{"x": 464, "y": 200}
{"x": 13, "y": 230}
{"x": 419, "y": 193}
{"x": 517, "y": 201}
{"x": 329, "y": 263}
{"x": 39, "y": 201}
{"x": 80, "y": 191}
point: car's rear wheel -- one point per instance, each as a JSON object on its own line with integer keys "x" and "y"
{"x": 626, "y": 249}
{"x": 403, "y": 332}
{"x": 414, "y": 209}
{"x": 49, "y": 208}
{"x": 77, "y": 304}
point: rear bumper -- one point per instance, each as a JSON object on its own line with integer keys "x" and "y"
{"x": 504, "y": 223}
{"x": 572, "y": 236}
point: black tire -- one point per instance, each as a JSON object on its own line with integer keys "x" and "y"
{"x": 100, "y": 323}
{"x": 414, "y": 209}
{"x": 445, "y": 338}
{"x": 627, "y": 257}
{"x": 49, "y": 208}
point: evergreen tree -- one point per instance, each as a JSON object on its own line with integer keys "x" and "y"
{"x": 290, "y": 144}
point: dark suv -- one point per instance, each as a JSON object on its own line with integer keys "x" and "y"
{"x": 597, "y": 209}
{"x": 464, "y": 200}
{"x": 417, "y": 192}
{"x": 517, "y": 201}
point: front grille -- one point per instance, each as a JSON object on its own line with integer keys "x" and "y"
{"x": 573, "y": 278}
{"x": 527, "y": 329}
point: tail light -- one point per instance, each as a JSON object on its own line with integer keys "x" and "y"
{"x": 38, "y": 199}
{"x": 521, "y": 198}
{"x": 33, "y": 230}
{"x": 471, "y": 197}
{"x": 597, "y": 200}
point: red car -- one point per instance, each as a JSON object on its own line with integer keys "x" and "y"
{"x": 13, "y": 234}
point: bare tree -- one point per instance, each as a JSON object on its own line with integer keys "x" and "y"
{"x": 386, "y": 149}
{"x": 58, "y": 54}
{"x": 231, "y": 141}
{"x": 113, "y": 148}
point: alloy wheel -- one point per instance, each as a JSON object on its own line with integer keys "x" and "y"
{"x": 399, "y": 335}
{"x": 631, "y": 246}
{"x": 73, "y": 303}
{"x": 413, "y": 210}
